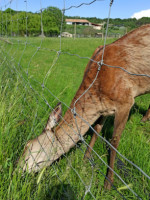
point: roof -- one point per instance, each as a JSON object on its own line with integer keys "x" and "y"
{"x": 77, "y": 20}
{"x": 96, "y": 24}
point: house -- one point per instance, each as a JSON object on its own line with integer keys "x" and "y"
{"x": 78, "y": 22}
{"x": 97, "y": 26}
{"x": 84, "y": 22}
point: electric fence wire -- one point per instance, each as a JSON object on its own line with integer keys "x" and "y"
{"x": 99, "y": 64}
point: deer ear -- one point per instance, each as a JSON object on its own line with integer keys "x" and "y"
{"x": 101, "y": 47}
{"x": 58, "y": 112}
{"x": 55, "y": 116}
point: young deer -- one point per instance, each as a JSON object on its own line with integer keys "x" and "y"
{"x": 112, "y": 93}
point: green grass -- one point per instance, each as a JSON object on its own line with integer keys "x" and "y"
{"x": 23, "y": 114}
{"x": 82, "y": 30}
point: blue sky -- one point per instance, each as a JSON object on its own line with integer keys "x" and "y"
{"x": 99, "y": 9}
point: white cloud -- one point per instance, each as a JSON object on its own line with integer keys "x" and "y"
{"x": 142, "y": 13}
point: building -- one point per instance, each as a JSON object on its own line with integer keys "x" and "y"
{"x": 78, "y": 22}
{"x": 84, "y": 22}
{"x": 97, "y": 26}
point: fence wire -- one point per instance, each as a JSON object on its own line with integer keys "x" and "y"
{"x": 46, "y": 99}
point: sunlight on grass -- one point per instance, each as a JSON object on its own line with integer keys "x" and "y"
{"x": 24, "y": 113}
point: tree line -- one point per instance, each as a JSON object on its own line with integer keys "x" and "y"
{"x": 21, "y": 23}
{"x": 48, "y": 23}
{"x": 130, "y": 23}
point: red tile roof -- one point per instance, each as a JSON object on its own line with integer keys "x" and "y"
{"x": 77, "y": 20}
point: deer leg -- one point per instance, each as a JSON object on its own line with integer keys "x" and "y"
{"x": 146, "y": 116}
{"x": 98, "y": 127}
{"x": 121, "y": 117}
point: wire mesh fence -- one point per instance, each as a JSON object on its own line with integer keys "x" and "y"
{"x": 38, "y": 133}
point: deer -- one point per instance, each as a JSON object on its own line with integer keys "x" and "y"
{"x": 112, "y": 93}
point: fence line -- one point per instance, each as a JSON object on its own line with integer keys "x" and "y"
{"x": 59, "y": 52}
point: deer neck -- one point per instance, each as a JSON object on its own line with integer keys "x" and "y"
{"x": 72, "y": 128}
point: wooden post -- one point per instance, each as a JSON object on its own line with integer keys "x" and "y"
{"x": 42, "y": 31}
{"x": 103, "y": 31}
{"x": 75, "y": 30}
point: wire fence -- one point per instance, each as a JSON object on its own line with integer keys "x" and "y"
{"x": 24, "y": 59}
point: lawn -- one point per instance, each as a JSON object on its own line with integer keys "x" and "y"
{"x": 32, "y": 73}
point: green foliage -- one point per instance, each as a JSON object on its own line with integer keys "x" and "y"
{"x": 143, "y": 20}
{"x": 89, "y": 31}
{"x": 34, "y": 24}
{"x": 52, "y": 21}
{"x": 130, "y": 23}
{"x": 23, "y": 23}
{"x": 23, "y": 116}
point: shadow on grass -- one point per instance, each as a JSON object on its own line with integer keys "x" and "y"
{"x": 108, "y": 127}
{"x": 136, "y": 109}
{"x": 60, "y": 192}
{"x": 107, "y": 132}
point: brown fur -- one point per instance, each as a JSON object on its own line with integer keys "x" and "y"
{"x": 112, "y": 93}
{"x": 147, "y": 116}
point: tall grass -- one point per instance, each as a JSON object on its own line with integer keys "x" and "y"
{"x": 23, "y": 115}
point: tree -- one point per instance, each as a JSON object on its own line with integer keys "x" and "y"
{"x": 10, "y": 11}
{"x": 52, "y": 18}
{"x": 142, "y": 21}
{"x": 89, "y": 31}
{"x": 34, "y": 24}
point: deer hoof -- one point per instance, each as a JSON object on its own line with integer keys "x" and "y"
{"x": 144, "y": 119}
{"x": 87, "y": 155}
{"x": 107, "y": 184}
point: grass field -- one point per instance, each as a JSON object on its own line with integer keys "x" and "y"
{"x": 23, "y": 114}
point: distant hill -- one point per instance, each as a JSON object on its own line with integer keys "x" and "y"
{"x": 117, "y": 27}
{"x": 130, "y": 23}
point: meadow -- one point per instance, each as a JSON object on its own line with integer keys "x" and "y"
{"x": 31, "y": 71}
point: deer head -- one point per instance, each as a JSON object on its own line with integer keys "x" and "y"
{"x": 37, "y": 151}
